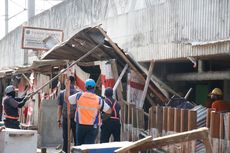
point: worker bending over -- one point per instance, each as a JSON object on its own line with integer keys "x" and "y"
{"x": 111, "y": 125}
{"x": 88, "y": 109}
{"x": 218, "y": 104}
{"x": 11, "y": 105}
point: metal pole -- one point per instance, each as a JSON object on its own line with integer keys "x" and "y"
{"x": 6, "y": 16}
{"x": 31, "y": 9}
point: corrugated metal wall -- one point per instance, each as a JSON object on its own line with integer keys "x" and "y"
{"x": 149, "y": 29}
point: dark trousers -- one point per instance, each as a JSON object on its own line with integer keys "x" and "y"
{"x": 65, "y": 132}
{"x": 10, "y": 123}
{"x": 87, "y": 134}
{"x": 110, "y": 127}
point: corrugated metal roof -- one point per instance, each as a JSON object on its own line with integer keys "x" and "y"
{"x": 89, "y": 38}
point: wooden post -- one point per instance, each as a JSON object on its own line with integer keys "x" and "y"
{"x": 228, "y": 131}
{"x": 184, "y": 120}
{"x": 170, "y": 125}
{"x": 153, "y": 122}
{"x": 159, "y": 120}
{"x": 170, "y": 120}
{"x": 192, "y": 124}
{"x": 192, "y": 120}
{"x": 177, "y": 120}
{"x": 221, "y": 134}
{"x": 215, "y": 130}
{"x": 184, "y": 127}
{"x": 165, "y": 120}
{"x": 147, "y": 83}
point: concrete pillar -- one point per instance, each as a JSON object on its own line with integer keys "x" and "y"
{"x": 200, "y": 66}
{"x": 227, "y": 90}
{"x": 6, "y": 16}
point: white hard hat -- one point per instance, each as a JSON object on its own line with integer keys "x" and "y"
{"x": 9, "y": 89}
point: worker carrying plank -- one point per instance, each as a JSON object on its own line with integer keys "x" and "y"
{"x": 88, "y": 109}
{"x": 62, "y": 115}
{"x": 218, "y": 104}
{"x": 111, "y": 123}
{"x": 11, "y": 105}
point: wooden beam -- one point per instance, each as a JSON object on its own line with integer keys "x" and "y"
{"x": 133, "y": 145}
{"x": 118, "y": 80}
{"x": 123, "y": 56}
{"x": 197, "y": 134}
{"x": 147, "y": 83}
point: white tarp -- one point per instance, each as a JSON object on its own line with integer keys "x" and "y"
{"x": 135, "y": 89}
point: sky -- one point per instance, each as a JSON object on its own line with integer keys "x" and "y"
{"x": 18, "y": 12}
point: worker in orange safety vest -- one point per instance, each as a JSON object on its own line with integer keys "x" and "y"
{"x": 218, "y": 104}
{"x": 88, "y": 109}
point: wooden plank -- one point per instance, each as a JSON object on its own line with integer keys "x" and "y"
{"x": 133, "y": 145}
{"x": 184, "y": 120}
{"x": 201, "y": 134}
{"x": 147, "y": 83}
{"x": 177, "y": 119}
{"x": 153, "y": 125}
{"x": 192, "y": 117}
{"x": 228, "y": 123}
{"x": 208, "y": 115}
{"x": 170, "y": 120}
{"x": 214, "y": 125}
{"x": 165, "y": 120}
{"x": 118, "y": 86}
{"x": 221, "y": 126}
{"x": 159, "y": 120}
{"x": 221, "y": 134}
{"x": 150, "y": 120}
{"x": 184, "y": 127}
{"x": 192, "y": 124}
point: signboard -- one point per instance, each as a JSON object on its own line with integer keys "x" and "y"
{"x": 40, "y": 38}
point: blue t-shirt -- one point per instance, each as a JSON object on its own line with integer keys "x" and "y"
{"x": 62, "y": 102}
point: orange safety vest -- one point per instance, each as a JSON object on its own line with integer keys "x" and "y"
{"x": 88, "y": 108}
{"x": 221, "y": 106}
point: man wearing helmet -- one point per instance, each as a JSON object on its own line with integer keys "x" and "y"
{"x": 88, "y": 109}
{"x": 111, "y": 125}
{"x": 11, "y": 105}
{"x": 219, "y": 105}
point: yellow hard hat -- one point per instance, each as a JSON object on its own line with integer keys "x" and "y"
{"x": 216, "y": 91}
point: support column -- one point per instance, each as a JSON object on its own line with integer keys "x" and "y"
{"x": 226, "y": 90}
{"x": 6, "y": 16}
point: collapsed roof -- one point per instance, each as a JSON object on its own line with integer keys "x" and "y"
{"x": 95, "y": 38}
